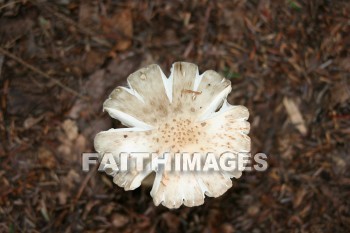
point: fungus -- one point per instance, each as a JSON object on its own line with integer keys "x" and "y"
{"x": 186, "y": 112}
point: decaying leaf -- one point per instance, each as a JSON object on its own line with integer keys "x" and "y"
{"x": 294, "y": 115}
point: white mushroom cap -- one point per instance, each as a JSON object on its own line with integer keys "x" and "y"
{"x": 186, "y": 112}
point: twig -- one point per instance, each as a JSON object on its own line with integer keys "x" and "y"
{"x": 85, "y": 182}
{"x": 38, "y": 71}
{"x": 9, "y": 4}
{"x": 1, "y": 62}
{"x": 3, "y": 99}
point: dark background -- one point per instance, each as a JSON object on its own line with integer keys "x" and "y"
{"x": 288, "y": 62}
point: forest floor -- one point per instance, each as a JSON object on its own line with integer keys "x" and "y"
{"x": 288, "y": 61}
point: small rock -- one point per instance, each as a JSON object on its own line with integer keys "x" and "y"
{"x": 119, "y": 220}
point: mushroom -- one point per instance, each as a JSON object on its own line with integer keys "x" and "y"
{"x": 186, "y": 112}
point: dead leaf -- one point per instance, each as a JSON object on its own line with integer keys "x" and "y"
{"x": 80, "y": 143}
{"x": 62, "y": 197}
{"x": 345, "y": 64}
{"x": 119, "y": 27}
{"x": 340, "y": 93}
{"x": 99, "y": 85}
{"x": 12, "y": 29}
{"x": 95, "y": 88}
{"x": 46, "y": 157}
{"x": 71, "y": 129}
{"x": 88, "y": 14}
{"x": 299, "y": 197}
{"x": 295, "y": 115}
{"x": 31, "y": 121}
{"x": 72, "y": 179}
{"x": 92, "y": 61}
